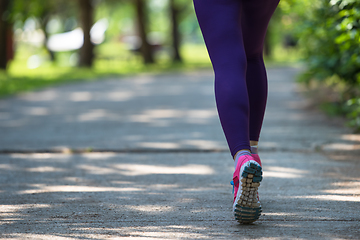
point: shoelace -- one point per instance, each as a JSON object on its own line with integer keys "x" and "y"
{"x": 232, "y": 183}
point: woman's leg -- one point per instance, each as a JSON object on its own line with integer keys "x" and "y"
{"x": 234, "y": 32}
{"x": 219, "y": 21}
{"x": 255, "y": 17}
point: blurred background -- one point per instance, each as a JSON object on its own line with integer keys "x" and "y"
{"x": 56, "y": 41}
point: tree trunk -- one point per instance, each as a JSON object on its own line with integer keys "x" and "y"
{"x": 145, "y": 48}
{"x": 4, "y": 31}
{"x": 86, "y": 18}
{"x": 44, "y": 21}
{"x": 174, "y": 10}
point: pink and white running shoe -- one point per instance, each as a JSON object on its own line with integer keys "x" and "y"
{"x": 246, "y": 181}
{"x": 256, "y": 158}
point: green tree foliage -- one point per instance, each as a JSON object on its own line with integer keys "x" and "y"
{"x": 330, "y": 37}
{"x": 43, "y": 11}
{"x": 23, "y": 9}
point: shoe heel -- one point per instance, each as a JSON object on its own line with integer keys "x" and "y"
{"x": 248, "y": 208}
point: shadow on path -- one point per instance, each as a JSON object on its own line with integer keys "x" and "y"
{"x": 165, "y": 196}
{"x": 159, "y": 183}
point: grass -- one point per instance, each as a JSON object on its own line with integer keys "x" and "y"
{"x": 112, "y": 59}
{"x": 284, "y": 57}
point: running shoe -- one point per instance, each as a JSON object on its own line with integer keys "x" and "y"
{"x": 246, "y": 181}
{"x": 256, "y": 158}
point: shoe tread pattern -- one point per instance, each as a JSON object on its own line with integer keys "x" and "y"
{"x": 248, "y": 209}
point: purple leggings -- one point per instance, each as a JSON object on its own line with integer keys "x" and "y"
{"x": 234, "y": 32}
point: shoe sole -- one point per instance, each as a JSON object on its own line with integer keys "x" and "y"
{"x": 248, "y": 208}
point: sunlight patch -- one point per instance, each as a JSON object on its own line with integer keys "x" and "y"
{"x": 80, "y": 96}
{"x": 339, "y": 198}
{"x": 37, "y": 111}
{"x": 98, "y": 155}
{"x": 120, "y": 96}
{"x": 45, "y": 169}
{"x": 40, "y": 156}
{"x": 341, "y": 147}
{"x": 351, "y": 137}
{"x": 42, "y": 188}
{"x": 282, "y": 172}
{"x": 345, "y": 188}
{"x": 151, "y": 208}
{"x": 7, "y": 167}
{"x": 159, "y": 145}
{"x": 204, "y": 144}
{"x": 139, "y": 169}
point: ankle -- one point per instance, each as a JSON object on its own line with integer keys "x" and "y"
{"x": 254, "y": 147}
{"x": 240, "y": 153}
